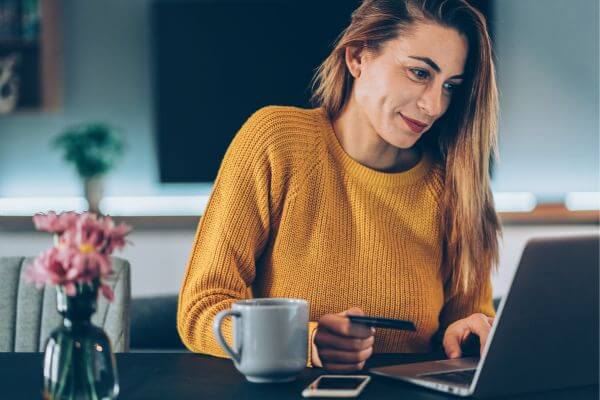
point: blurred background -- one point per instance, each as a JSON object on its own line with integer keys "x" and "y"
{"x": 161, "y": 87}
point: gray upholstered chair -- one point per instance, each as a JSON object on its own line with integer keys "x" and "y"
{"x": 28, "y": 314}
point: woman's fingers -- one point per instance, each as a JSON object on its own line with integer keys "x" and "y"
{"x": 352, "y": 311}
{"x": 342, "y": 326}
{"x": 480, "y": 325}
{"x": 452, "y": 340}
{"x": 343, "y": 345}
{"x": 325, "y": 338}
{"x": 456, "y": 333}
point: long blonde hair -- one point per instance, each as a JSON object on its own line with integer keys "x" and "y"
{"x": 463, "y": 140}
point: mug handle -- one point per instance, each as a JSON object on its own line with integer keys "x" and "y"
{"x": 237, "y": 357}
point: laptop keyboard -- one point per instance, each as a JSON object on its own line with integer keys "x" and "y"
{"x": 464, "y": 377}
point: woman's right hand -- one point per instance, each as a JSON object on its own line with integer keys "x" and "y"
{"x": 340, "y": 345}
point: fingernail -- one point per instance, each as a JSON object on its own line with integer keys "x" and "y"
{"x": 454, "y": 354}
{"x": 372, "y": 331}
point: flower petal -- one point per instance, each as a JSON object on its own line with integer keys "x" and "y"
{"x": 70, "y": 289}
{"x": 107, "y": 292}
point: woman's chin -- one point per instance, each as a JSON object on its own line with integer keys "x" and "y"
{"x": 404, "y": 140}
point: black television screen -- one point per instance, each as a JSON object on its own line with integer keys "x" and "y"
{"x": 216, "y": 62}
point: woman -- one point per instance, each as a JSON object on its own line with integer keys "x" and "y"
{"x": 377, "y": 202}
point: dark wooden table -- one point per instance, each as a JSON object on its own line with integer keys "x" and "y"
{"x": 193, "y": 376}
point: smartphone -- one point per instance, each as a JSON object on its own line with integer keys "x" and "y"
{"x": 336, "y": 386}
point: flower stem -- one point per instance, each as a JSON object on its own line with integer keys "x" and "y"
{"x": 89, "y": 370}
{"x": 66, "y": 366}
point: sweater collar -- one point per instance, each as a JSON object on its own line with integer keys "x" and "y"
{"x": 364, "y": 173}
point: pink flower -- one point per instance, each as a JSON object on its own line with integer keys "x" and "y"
{"x": 85, "y": 267}
{"x": 38, "y": 271}
{"x": 92, "y": 234}
{"x": 50, "y": 267}
{"x": 115, "y": 235}
{"x": 87, "y": 233}
{"x": 54, "y": 223}
{"x": 66, "y": 266}
{"x": 82, "y": 254}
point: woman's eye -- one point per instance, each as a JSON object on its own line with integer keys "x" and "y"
{"x": 422, "y": 74}
{"x": 419, "y": 73}
{"x": 450, "y": 87}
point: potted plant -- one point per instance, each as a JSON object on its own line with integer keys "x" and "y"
{"x": 94, "y": 149}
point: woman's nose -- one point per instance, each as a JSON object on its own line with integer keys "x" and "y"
{"x": 432, "y": 102}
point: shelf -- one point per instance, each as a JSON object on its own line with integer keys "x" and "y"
{"x": 38, "y": 69}
{"x": 25, "y": 224}
{"x": 552, "y": 214}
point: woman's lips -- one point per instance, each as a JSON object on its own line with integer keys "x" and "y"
{"x": 415, "y": 126}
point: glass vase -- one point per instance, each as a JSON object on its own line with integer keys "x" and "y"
{"x": 78, "y": 360}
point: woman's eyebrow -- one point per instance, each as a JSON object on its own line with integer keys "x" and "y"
{"x": 433, "y": 65}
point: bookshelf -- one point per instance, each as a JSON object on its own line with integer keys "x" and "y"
{"x": 30, "y": 56}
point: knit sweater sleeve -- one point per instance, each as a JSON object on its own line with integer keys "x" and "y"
{"x": 230, "y": 237}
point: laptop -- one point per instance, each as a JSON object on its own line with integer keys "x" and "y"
{"x": 545, "y": 335}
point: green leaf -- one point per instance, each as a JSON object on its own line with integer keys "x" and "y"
{"x": 93, "y": 148}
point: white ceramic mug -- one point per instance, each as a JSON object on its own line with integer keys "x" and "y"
{"x": 269, "y": 338}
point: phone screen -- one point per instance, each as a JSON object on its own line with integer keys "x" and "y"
{"x": 339, "y": 383}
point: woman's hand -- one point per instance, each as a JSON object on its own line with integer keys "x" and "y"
{"x": 339, "y": 344}
{"x": 458, "y": 332}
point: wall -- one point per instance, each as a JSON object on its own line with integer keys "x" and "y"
{"x": 547, "y": 59}
{"x": 107, "y": 77}
{"x": 548, "y": 76}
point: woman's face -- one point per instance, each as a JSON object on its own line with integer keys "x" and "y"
{"x": 404, "y": 88}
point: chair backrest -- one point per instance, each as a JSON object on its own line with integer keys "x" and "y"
{"x": 154, "y": 324}
{"x": 28, "y": 315}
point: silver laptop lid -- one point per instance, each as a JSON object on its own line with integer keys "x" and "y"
{"x": 546, "y": 331}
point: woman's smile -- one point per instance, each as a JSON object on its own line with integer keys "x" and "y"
{"x": 414, "y": 125}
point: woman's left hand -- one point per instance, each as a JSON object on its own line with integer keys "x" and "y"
{"x": 458, "y": 332}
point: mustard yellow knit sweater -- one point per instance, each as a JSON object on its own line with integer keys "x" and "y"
{"x": 293, "y": 215}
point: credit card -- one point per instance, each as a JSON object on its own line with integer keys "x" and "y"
{"x": 380, "y": 322}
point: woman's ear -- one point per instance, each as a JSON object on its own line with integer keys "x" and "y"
{"x": 354, "y": 59}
